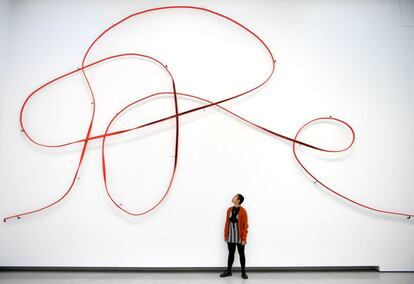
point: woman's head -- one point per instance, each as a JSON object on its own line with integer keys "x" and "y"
{"x": 238, "y": 199}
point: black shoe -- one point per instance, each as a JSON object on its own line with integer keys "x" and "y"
{"x": 225, "y": 274}
{"x": 244, "y": 275}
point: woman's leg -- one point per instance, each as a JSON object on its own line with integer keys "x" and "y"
{"x": 230, "y": 260}
{"x": 240, "y": 249}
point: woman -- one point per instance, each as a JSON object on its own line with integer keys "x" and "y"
{"x": 235, "y": 234}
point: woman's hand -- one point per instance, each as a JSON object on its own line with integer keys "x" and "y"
{"x": 243, "y": 243}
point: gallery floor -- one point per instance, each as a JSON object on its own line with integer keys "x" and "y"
{"x": 367, "y": 277}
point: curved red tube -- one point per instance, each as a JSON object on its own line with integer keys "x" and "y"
{"x": 175, "y": 116}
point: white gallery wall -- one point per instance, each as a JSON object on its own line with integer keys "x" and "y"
{"x": 349, "y": 59}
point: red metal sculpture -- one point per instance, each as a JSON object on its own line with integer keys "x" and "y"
{"x": 176, "y": 117}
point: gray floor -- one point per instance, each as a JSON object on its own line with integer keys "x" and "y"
{"x": 204, "y": 277}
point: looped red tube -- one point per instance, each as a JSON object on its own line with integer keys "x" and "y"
{"x": 175, "y": 95}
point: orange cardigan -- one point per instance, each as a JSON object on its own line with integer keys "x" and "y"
{"x": 242, "y": 224}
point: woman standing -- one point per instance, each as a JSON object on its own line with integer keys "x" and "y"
{"x": 235, "y": 234}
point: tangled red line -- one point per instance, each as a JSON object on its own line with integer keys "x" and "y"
{"x": 176, "y": 118}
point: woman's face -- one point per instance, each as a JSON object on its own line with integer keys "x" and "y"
{"x": 235, "y": 200}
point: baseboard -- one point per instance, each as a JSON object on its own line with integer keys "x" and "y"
{"x": 188, "y": 269}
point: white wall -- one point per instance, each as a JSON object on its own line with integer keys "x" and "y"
{"x": 350, "y": 59}
{"x": 4, "y": 34}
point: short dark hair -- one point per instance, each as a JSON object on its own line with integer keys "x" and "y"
{"x": 241, "y": 198}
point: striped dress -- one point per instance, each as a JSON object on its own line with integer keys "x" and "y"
{"x": 234, "y": 236}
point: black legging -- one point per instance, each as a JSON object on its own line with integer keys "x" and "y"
{"x": 232, "y": 250}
